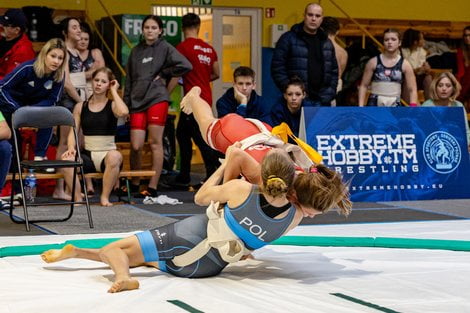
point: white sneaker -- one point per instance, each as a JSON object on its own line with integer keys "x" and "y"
{"x": 48, "y": 170}
{"x": 4, "y": 205}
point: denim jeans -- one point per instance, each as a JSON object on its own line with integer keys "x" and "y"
{"x": 5, "y": 159}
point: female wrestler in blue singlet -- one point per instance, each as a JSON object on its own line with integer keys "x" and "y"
{"x": 255, "y": 214}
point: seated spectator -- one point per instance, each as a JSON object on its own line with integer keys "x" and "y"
{"x": 242, "y": 97}
{"x": 92, "y": 59}
{"x": 288, "y": 108}
{"x": 444, "y": 90}
{"x": 5, "y": 150}
{"x": 15, "y": 47}
{"x": 37, "y": 82}
{"x": 386, "y": 73}
{"x": 413, "y": 51}
{"x": 97, "y": 117}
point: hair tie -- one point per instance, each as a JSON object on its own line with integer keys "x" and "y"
{"x": 313, "y": 169}
{"x": 273, "y": 178}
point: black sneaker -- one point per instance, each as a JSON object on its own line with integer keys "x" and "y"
{"x": 175, "y": 183}
{"x": 142, "y": 194}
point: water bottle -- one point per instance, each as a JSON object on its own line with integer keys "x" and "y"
{"x": 33, "y": 33}
{"x": 30, "y": 186}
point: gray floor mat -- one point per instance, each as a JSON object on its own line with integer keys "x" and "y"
{"x": 118, "y": 218}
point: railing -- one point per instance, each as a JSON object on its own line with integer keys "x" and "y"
{"x": 112, "y": 52}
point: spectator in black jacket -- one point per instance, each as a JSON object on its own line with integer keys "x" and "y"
{"x": 306, "y": 51}
{"x": 288, "y": 108}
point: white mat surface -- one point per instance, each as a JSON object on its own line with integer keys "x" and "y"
{"x": 281, "y": 279}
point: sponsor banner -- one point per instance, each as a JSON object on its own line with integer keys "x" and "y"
{"x": 391, "y": 154}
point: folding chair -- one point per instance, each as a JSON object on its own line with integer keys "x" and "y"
{"x": 46, "y": 117}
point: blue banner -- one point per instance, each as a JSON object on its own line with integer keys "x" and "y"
{"x": 391, "y": 154}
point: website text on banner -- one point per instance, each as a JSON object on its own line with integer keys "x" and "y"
{"x": 395, "y": 153}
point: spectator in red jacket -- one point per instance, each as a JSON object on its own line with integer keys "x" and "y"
{"x": 15, "y": 47}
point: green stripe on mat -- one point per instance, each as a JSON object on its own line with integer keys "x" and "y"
{"x": 38, "y": 249}
{"x": 365, "y": 303}
{"x": 378, "y": 242}
{"x": 184, "y": 306}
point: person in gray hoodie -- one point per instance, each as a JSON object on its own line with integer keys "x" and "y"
{"x": 150, "y": 67}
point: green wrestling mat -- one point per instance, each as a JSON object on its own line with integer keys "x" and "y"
{"x": 319, "y": 241}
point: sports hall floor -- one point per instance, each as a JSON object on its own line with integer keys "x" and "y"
{"x": 345, "y": 277}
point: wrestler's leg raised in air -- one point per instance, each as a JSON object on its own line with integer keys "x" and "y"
{"x": 202, "y": 111}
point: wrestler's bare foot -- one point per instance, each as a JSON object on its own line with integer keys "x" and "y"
{"x": 61, "y": 196}
{"x": 124, "y": 284}
{"x": 105, "y": 202}
{"x": 185, "y": 103}
{"x": 55, "y": 255}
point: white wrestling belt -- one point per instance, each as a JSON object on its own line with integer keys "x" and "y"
{"x": 219, "y": 236}
{"x": 79, "y": 82}
{"x": 387, "y": 92}
{"x": 99, "y": 146}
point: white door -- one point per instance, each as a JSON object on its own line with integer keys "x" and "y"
{"x": 237, "y": 40}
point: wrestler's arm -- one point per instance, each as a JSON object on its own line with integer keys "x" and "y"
{"x": 70, "y": 153}
{"x": 233, "y": 192}
{"x": 119, "y": 108}
{"x": 410, "y": 81}
{"x": 295, "y": 221}
{"x": 239, "y": 162}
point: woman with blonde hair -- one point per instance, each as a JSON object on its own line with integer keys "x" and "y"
{"x": 37, "y": 82}
{"x": 444, "y": 92}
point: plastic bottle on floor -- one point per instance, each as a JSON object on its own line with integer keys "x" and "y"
{"x": 30, "y": 184}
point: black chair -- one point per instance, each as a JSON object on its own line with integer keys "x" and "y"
{"x": 46, "y": 117}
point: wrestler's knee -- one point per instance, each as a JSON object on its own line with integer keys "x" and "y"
{"x": 113, "y": 158}
{"x": 155, "y": 142}
{"x": 136, "y": 146}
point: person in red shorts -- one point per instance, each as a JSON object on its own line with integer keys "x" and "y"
{"x": 151, "y": 65}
